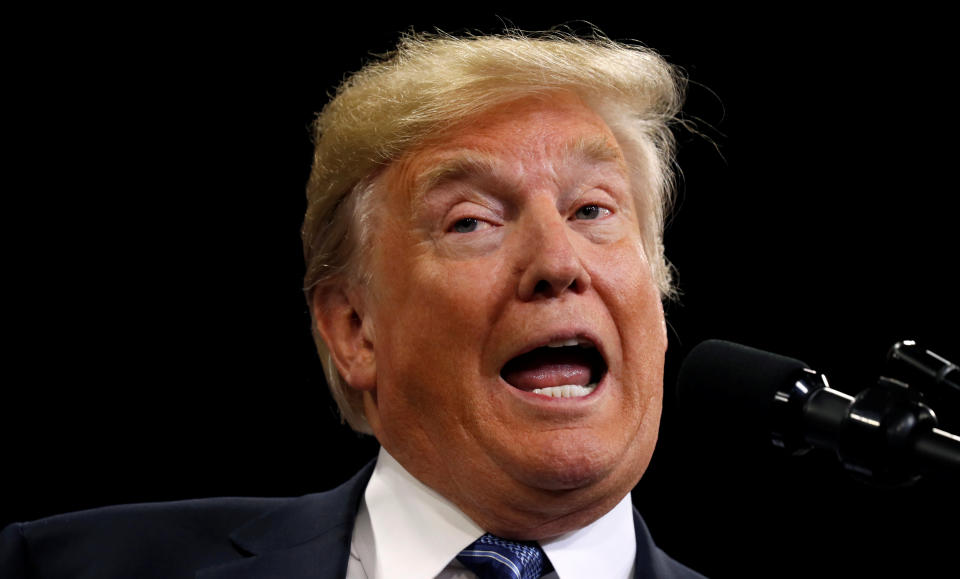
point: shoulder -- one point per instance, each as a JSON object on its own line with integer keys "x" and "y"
{"x": 141, "y": 540}
{"x": 176, "y": 539}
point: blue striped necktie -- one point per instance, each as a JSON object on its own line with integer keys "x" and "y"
{"x": 491, "y": 557}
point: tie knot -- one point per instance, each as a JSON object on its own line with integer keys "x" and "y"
{"x": 491, "y": 557}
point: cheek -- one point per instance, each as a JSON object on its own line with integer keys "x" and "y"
{"x": 621, "y": 271}
{"x": 634, "y": 300}
{"x": 434, "y": 319}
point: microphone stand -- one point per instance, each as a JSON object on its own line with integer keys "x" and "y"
{"x": 886, "y": 433}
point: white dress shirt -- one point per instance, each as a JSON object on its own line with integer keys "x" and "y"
{"x": 407, "y": 530}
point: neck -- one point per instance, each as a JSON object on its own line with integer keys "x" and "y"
{"x": 516, "y": 510}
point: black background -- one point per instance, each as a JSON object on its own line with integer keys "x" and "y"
{"x": 159, "y": 346}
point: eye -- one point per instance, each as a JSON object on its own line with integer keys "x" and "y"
{"x": 466, "y": 225}
{"x": 591, "y": 212}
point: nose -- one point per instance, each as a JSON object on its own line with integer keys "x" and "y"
{"x": 552, "y": 265}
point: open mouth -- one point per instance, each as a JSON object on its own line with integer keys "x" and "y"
{"x": 569, "y": 368}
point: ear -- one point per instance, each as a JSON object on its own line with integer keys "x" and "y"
{"x": 339, "y": 316}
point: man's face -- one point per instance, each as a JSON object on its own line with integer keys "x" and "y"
{"x": 507, "y": 271}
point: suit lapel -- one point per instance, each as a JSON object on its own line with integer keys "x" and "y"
{"x": 651, "y": 562}
{"x": 307, "y": 538}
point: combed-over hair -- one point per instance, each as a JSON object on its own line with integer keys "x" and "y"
{"x": 432, "y": 82}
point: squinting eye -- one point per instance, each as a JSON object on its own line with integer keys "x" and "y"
{"x": 591, "y": 212}
{"x": 466, "y": 225}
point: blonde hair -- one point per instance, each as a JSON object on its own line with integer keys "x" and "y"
{"x": 432, "y": 82}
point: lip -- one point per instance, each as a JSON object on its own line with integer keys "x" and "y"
{"x": 540, "y": 342}
{"x": 559, "y": 336}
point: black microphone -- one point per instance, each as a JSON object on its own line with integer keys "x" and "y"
{"x": 886, "y": 432}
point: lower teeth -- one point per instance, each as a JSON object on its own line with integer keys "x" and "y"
{"x": 567, "y": 391}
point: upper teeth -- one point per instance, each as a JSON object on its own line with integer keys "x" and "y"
{"x": 570, "y": 342}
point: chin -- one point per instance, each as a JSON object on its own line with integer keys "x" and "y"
{"x": 570, "y": 461}
{"x": 562, "y": 490}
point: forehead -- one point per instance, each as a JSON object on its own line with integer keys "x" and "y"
{"x": 512, "y": 138}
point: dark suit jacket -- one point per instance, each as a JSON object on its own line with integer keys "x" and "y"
{"x": 306, "y": 537}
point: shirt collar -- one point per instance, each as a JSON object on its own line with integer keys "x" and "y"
{"x": 424, "y": 531}
{"x": 606, "y": 547}
{"x": 418, "y": 534}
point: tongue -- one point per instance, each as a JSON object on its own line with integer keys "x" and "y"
{"x": 546, "y": 367}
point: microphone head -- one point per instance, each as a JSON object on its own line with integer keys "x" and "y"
{"x": 730, "y": 388}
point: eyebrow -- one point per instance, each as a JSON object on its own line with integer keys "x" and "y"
{"x": 469, "y": 162}
{"x": 463, "y": 164}
{"x": 596, "y": 149}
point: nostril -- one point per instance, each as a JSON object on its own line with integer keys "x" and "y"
{"x": 547, "y": 288}
{"x": 550, "y": 272}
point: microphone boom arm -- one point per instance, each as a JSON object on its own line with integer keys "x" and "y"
{"x": 886, "y": 432}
